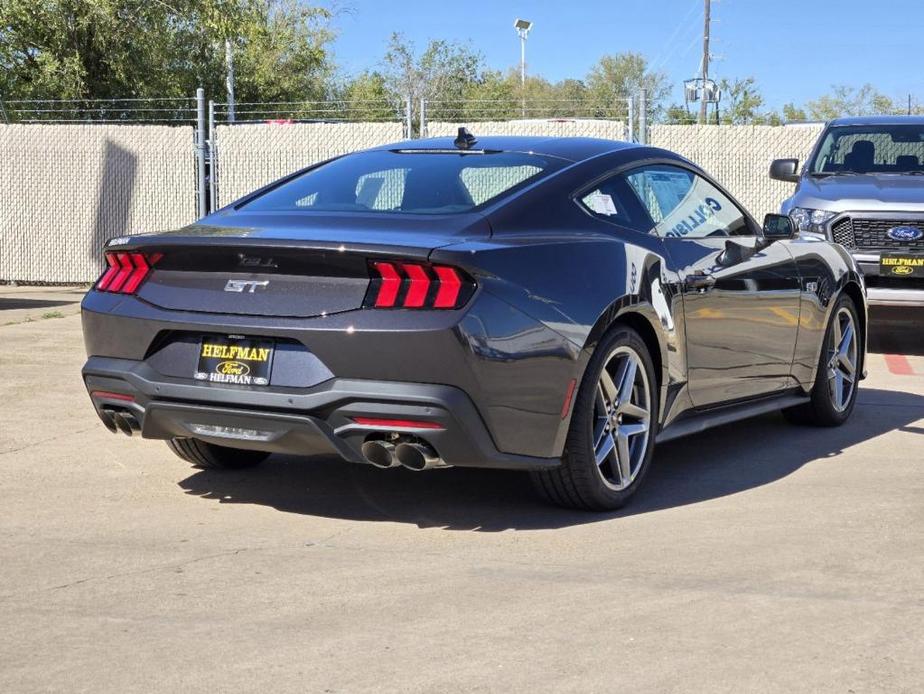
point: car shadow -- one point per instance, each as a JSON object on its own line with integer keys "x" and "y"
{"x": 11, "y": 303}
{"x": 713, "y": 464}
{"x": 896, "y": 330}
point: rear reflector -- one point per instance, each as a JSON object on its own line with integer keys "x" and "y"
{"x": 569, "y": 395}
{"x": 125, "y": 272}
{"x": 417, "y": 285}
{"x": 106, "y": 395}
{"x": 396, "y": 423}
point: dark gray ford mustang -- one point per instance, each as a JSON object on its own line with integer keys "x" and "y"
{"x": 551, "y": 305}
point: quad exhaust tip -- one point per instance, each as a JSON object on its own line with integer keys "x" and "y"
{"x": 108, "y": 418}
{"x": 120, "y": 421}
{"x": 414, "y": 455}
{"x": 417, "y": 456}
{"x": 380, "y": 453}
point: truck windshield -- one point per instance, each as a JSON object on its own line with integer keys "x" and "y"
{"x": 407, "y": 181}
{"x": 870, "y": 149}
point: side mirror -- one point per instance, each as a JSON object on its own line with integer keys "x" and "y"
{"x": 785, "y": 170}
{"x": 778, "y": 227}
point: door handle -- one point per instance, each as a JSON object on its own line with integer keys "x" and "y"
{"x": 698, "y": 282}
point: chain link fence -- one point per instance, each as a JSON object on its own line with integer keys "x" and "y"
{"x": 330, "y": 111}
{"x": 551, "y": 127}
{"x": 247, "y": 157}
{"x": 739, "y": 156}
{"x": 165, "y": 111}
{"x": 66, "y": 189}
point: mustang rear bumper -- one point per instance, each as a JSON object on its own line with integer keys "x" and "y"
{"x": 319, "y": 420}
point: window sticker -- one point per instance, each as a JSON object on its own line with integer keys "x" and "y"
{"x": 601, "y": 203}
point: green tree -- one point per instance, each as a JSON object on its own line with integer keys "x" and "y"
{"x": 617, "y": 77}
{"x": 504, "y": 96}
{"x": 675, "y": 114}
{"x": 793, "y": 114}
{"x": 86, "y": 49}
{"x": 441, "y": 74}
{"x": 571, "y": 93}
{"x": 849, "y": 101}
{"x": 281, "y": 51}
{"x": 367, "y": 98}
{"x": 742, "y": 102}
{"x": 491, "y": 96}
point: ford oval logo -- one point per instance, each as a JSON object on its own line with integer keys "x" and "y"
{"x": 904, "y": 233}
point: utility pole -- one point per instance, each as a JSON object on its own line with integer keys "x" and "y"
{"x": 705, "y": 63}
{"x": 630, "y": 105}
{"x": 643, "y": 116}
{"x": 229, "y": 78}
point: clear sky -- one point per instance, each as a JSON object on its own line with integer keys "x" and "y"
{"x": 795, "y": 50}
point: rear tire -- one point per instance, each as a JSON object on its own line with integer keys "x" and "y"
{"x": 834, "y": 393}
{"x": 611, "y": 438}
{"x": 208, "y": 456}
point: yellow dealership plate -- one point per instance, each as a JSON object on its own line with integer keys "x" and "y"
{"x": 901, "y": 265}
{"x": 241, "y": 361}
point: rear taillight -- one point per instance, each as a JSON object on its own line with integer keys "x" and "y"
{"x": 399, "y": 284}
{"x": 126, "y": 271}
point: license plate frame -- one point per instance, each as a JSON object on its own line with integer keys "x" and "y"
{"x": 901, "y": 265}
{"x": 235, "y": 360}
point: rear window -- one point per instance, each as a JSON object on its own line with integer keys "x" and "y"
{"x": 407, "y": 182}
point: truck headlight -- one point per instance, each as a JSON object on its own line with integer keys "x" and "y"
{"x": 808, "y": 220}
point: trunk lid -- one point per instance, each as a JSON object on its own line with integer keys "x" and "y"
{"x": 286, "y": 265}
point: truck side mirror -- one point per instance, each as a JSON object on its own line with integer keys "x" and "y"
{"x": 785, "y": 170}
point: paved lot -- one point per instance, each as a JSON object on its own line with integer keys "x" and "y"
{"x": 759, "y": 557}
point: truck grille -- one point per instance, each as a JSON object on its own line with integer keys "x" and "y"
{"x": 856, "y": 232}
{"x": 842, "y": 232}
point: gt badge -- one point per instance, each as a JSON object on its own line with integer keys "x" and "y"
{"x": 249, "y": 286}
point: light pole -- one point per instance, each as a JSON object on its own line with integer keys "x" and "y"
{"x": 523, "y": 26}
{"x": 229, "y": 78}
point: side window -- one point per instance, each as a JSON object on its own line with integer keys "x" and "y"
{"x": 685, "y": 205}
{"x": 608, "y": 201}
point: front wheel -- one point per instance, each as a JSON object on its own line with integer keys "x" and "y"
{"x": 835, "y": 391}
{"x": 209, "y": 456}
{"x": 611, "y": 438}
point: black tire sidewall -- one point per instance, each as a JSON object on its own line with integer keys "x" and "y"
{"x": 821, "y": 395}
{"x": 579, "y": 446}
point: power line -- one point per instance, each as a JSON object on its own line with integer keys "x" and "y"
{"x": 665, "y": 56}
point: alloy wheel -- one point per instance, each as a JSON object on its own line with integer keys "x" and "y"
{"x": 842, "y": 359}
{"x": 622, "y": 418}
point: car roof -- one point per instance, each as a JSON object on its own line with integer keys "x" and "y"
{"x": 572, "y": 148}
{"x": 878, "y": 120}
